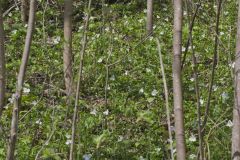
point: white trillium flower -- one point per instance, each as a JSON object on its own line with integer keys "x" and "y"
{"x": 224, "y": 96}
{"x": 38, "y": 122}
{"x": 158, "y": 149}
{"x": 120, "y": 138}
{"x": 100, "y": 60}
{"x": 192, "y": 156}
{"x": 141, "y": 158}
{"x": 14, "y": 31}
{"x": 92, "y": 18}
{"x": 56, "y": 40}
{"x": 140, "y": 20}
{"x": 201, "y": 101}
{"x": 26, "y": 90}
{"x": 169, "y": 140}
{"x": 87, "y": 156}
{"x": 191, "y": 89}
{"x": 192, "y": 138}
{"x": 191, "y": 79}
{"x": 183, "y": 49}
{"x": 229, "y": 123}
{"x": 154, "y": 92}
{"x": 232, "y": 65}
{"x": 80, "y": 28}
{"x": 112, "y": 78}
{"x": 97, "y": 35}
{"x": 106, "y": 112}
{"x": 107, "y": 29}
{"x": 174, "y": 150}
{"x": 34, "y": 103}
{"x": 94, "y": 112}
{"x": 148, "y": 70}
{"x": 141, "y": 90}
{"x": 68, "y": 142}
{"x": 11, "y": 100}
{"x": 215, "y": 87}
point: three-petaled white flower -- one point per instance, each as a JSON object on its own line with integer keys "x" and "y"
{"x": 39, "y": 122}
{"x": 229, "y": 123}
{"x": 26, "y": 90}
{"x": 94, "y": 112}
{"x": 154, "y": 92}
{"x": 68, "y": 142}
{"x": 106, "y": 112}
{"x": 141, "y": 90}
{"x": 192, "y": 138}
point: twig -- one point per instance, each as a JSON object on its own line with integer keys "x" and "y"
{"x": 213, "y": 69}
{"x": 10, "y": 9}
{"x": 190, "y": 33}
{"x": 46, "y": 143}
{"x": 195, "y": 72}
{"x": 166, "y": 97}
{"x": 29, "y": 110}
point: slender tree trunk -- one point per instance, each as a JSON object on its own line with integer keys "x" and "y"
{"x": 236, "y": 108}
{"x": 84, "y": 44}
{"x": 24, "y": 10}
{"x": 206, "y": 114}
{"x": 177, "y": 82}
{"x": 20, "y": 81}
{"x": 2, "y": 63}
{"x": 67, "y": 54}
{"x": 191, "y": 25}
{"x": 166, "y": 98}
{"x": 149, "y": 17}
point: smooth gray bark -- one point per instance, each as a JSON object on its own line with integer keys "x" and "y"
{"x": 177, "y": 81}
{"x": 236, "y": 108}
{"x": 20, "y": 81}
{"x": 67, "y": 53}
{"x": 149, "y": 16}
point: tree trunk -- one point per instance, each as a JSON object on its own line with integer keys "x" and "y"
{"x": 2, "y": 63}
{"x": 149, "y": 17}
{"x": 236, "y": 114}
{"x": 67, "y": 54}
{"x": 20, "y": 81}
{"x": 177, "y": 84}
{"x": 24, "y": 10}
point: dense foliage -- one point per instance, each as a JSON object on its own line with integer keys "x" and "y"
{"x": 122, "y": 108}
